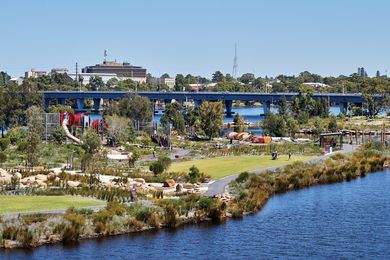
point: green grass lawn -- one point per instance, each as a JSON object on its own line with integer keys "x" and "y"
{"x": 17, "y": 204}
{"x": 223, "y": 166}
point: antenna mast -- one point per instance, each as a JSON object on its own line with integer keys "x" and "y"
{"x": 235, "y": 63}
{"x": 105, "y": 56}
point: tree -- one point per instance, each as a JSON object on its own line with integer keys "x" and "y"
{"x": 239, "y": 123}
{"x": 159, "y": 166}
{"x": 3, "y": 158}
{"x": 180, "y": 83}
{"x": 373, "y": 107}
{"x": 332, "y": 126}
{"x": 156, "y": 167}
{"x": 274, "y": 125}
{"x": 247, "y": 78}
{"x": 95, "y": 82}
{"x": 34, "y": 134}
{"x": 211, "y": 118}
{"x": 119, "y": 129}
{"x": 194, "y": 174}
{"x": 174, "y": 115}
{"x": 282, "y": 106}
{"x": 4, "y": 78}
{"x": 217, "y": 76}
{"x": 90, "y": 144}
{"x": 112, "y": 83}
{"x": 58, "y": 135}
{"x": 292, "y": 126}
{"x": 90, "y": 141}
{"x": 141, "y": 109}
{"x": 135, "y": 155}
{"x": 60, "y": 108}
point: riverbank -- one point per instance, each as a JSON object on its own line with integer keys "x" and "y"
{"x": 250, "y": 192}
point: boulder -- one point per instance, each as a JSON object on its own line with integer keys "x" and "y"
{"x": 57, "y": 179}
{"x": 73, "y": 184}
{"x": 140, "y": 180}
{"x": 386, "y": 164}
{"x": 3, "y": 173}
{"x": 18, "y": 175}
{"x": 169, "y": 183}
{"x": 40, "y": 183}
{"x": 188, "y": 186}
{"x": 41, "y": 177}
{"x": 179, "y": 187}
{"x": 28, "y": 180}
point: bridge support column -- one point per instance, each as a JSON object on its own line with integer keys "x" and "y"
{"x": 154, "y": 102}
{"x": 61, "y": 101}
{"x": 198, "y": 102}
{"x": 228, "y": 107}
{"x": 266, "y": 107}
{"x": 47, "y": 103}
{"x": 96, "y": 104}
{"x": 343, "y": 107}
{"x": 80, "y": 103}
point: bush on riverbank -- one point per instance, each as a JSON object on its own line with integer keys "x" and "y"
{"x": 252, "y": 194}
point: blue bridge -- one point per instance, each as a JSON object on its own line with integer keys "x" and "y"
{"x": 266, "y": 99}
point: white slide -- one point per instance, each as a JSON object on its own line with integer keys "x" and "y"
{"x": 68, "y": 134}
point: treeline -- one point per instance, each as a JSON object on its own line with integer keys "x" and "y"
{"x": 292, "y": 115}
{"x": 247, "y": 82}
{"x": 14, "y": 103}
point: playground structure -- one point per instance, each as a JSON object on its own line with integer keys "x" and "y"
{"x": 244, "y": 136}
{"x": 69, "y": 121}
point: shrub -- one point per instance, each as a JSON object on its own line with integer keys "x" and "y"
{"x": 116, "y": 208}
{"x": 216, "y": 213}
{"x": 34, "y": 218}
{"x": 143, "y": 214}
{"x": 133, "y": 223}
{"x": 194, "y": 174}
{"x": 205, "y": 204}
{"x": 10, "y": 233}
{"x": 4, "y": 142}
{"x": 170, "y": 216}
{"x": 154, "y": 221}
{"x": 237, "y": 213}
{"x": 26, "y": 237}
{"x": 100, "y": 227}
{"x": 244, "y": 176}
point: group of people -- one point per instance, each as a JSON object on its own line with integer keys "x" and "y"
{"x": 275, "y": 155}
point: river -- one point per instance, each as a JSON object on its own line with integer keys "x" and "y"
{"x": 343, "y": 220}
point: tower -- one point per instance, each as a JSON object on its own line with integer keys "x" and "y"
{"x": 105, "y": 56}
{"x": 235, "y": 63}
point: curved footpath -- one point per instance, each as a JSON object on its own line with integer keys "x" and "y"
{"x": 219, "y": 186}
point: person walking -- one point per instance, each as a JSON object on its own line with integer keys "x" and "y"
{"x": 289, "y": 156}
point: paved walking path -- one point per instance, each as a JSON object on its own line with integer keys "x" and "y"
{"x": 218, "y": 187}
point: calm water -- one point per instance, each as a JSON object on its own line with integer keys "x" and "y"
{"x": 345, "y": 220}
{"x": 250, "y": 114}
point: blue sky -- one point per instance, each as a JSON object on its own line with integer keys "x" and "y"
{"x": 329, "y": 37}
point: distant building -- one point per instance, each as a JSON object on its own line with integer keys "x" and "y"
{"x": 170, "y": 82}
{"x": 315, "y": 85}
{"x": 121, "y": 70}
{"x": 86, "y": 76}
{"x": 34, "y": 73}
{"x": 60, "y": 70}
{"x": 18, "y": 81}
